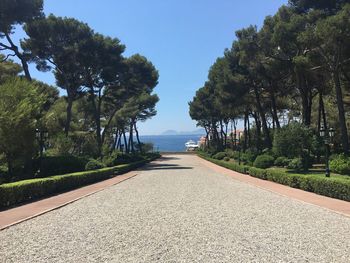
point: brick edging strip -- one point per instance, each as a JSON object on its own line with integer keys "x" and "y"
{"x": 332, "y": 204}
{"x": 26, "y": 212}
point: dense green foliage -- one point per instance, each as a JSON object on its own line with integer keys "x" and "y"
{"x": 291, "y": 140}
{"x": 220, "y": 155}
{"x": 281, "y": 161}
{"x": 94, "y": 165}
{"x": 264, "y": 161}
{"x": 56, "y": 165}
{"x": 340, "y": 164}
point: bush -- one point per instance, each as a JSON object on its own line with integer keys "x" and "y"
{"x": 264, "y": 161}
{"x": 227, "y": 159}
{"x": 281, "y": 161}
{"x": 56, "y": 165}
{"x": 94, "y": 165}
{"x": 291, "y": 140}
{"x": 23, "y": 191}
{"x": 248, "y": 157}
{"x": 296, "y": 164}
{"x": 340, "y": 164}
{"x": 257, "y": 172}
{"x": 219, "y": 155}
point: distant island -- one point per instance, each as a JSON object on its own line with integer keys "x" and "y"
{"x": 173, "y": 132}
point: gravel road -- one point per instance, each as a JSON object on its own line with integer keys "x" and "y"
{"x": 177, "y": 210}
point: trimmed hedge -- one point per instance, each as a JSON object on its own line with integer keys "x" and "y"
{"x": 257, "y": 172}
{"x": 334, "y": 187}
{"x": 23, "y": 191}
{"x": 229, "y": 165}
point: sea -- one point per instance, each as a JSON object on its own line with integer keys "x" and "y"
{"x": 169, "y": 143}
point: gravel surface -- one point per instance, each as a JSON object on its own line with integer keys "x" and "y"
{"x": 180, "y": 211}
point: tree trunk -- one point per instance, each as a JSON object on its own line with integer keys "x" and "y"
{"x": 126, "y": 147}
{"x": 263, "y": 119}
{"x": 258, "y": 132}
{"x": 131, "y": 137}
{"x": 274, "y": 110}
{"x": 69, "y": 113}
{"x": 24, "y": 62}
{"x": 138, "y": 137}
{"x": 246, "y": 116}
{"x": 341, "y": 111}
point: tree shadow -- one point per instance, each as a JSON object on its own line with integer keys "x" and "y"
{"x": 159, "y": 166}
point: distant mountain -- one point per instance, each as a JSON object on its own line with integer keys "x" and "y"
{"x": 173, "y": 132}
{"x": 170, "y": 132}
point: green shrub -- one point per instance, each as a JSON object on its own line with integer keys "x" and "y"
{"x": 264, "y": 161}
{"x": 248, "y": 157}
{"x": 219, "y": 155}
{"x": 281, "y": 161}
{"x": 94, "y": 165}
{"x": 340, "y": 164}
{"x": 226, "y": 159}
{"x": 291, "y": 140}
{"x": 257, "y": 172}
{"x": 296, "y": 164}
{"x": 56, "y": 165}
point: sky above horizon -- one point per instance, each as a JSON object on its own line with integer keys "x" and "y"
{"x": 181, "y": 38}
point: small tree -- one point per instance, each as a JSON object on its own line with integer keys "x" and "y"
{"x": 291, "y": 140}
{"x": 20, "y": 104}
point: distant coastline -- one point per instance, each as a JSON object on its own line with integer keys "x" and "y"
{"x": 170, "y": 143}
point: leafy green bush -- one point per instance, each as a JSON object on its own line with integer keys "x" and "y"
{"x": 94, "y": 165}
{"x": 264, "y": 161}
{"x": 296, "y": 164}
{"x": 219, "y": 155}
{"x": 281, "y": 161}
{"x": 23, "y": 191}
{"x": 248, "y": 157}
{"x": 340, "y": 164}
{"x": 291, "y": 140}
{"x": 226, "y": 159}
{"x": 257, "y": 172}
{"x": 56, "y": 165}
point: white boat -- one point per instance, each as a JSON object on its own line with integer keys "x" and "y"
{"x": 191, "y": 145}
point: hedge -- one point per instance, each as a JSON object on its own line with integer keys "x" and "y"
{"x": 334, "y": 187}
{"x": 229, "y": 165}
{"x": 23, "y": 191}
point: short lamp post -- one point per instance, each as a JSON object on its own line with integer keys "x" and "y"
{"x": 327, "y": 135}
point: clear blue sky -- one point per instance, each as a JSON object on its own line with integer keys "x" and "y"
{"x": 181, "y": 37}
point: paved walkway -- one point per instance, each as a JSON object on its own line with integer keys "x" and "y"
{"x": 181, "y": 210}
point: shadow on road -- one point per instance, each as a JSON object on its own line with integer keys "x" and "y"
{"x": 159, "y": 166}
{"x": 168, "y": 158}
